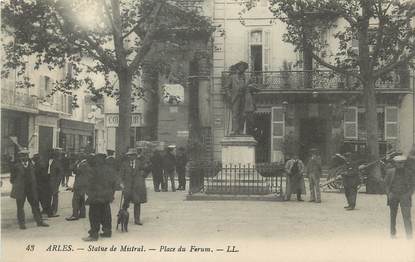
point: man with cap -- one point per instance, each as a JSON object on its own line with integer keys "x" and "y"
{"x": 169, "y": 167}
{"x": 399, "y": 184}
{"x": 351, "y": 181}
{"x": 133, "y": 172}
{"x": 83, "y": 172}
{"x": 313, "y": 169}
{"x": 24, "y": 187}
{"x": 100, "y": 191}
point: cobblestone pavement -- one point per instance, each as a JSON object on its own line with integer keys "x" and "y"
{"x": 260, "y": 231}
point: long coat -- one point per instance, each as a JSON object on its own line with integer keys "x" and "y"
{"x": 169, "y": 162}
{"x": 56, "y": 174}
{"x": 17, "y": 179}
{"x": 295, "y": 181}
{"x": 83, "y": 173}
{"x": 101, "y": 185}
{"x": 133, "y": 179}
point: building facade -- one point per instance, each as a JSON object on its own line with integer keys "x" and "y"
{"x": 298, "y": 109}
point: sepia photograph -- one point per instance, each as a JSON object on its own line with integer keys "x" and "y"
{"x": 207, "y": 130}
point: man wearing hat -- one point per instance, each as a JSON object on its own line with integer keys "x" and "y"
{"x": 157, "y": 170}
{"x": 133, "y": 172}
{"x": 169, "y": 167}
{"x": 55, "y": 172}
{"x": 313, "y": 169}
{"x": 351, "y": 181}
{"x": 24, "y": 187}
{"x": 399, "y": 183}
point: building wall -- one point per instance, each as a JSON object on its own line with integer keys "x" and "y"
{"x": 231, "y": 44}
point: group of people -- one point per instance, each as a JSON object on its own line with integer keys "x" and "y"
{"x": 295, "y": 170}
{"x": 399, "y": 181}
{"x": 164, "y": 166}
{"x": 96, "y": 178}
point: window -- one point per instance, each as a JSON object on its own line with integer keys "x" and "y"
{"x": 45, "y": 89}
{"x": 350, "y": 123}
{"x": 277, "y": 126}
{"x": 391, "y": 122}
{"x": 259, "y": 42}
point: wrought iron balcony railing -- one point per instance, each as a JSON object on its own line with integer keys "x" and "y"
{"x": 318, "y": 79}
{"x": 12, "y": 97}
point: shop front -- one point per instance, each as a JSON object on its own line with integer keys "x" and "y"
{"x": 76, "y": 135}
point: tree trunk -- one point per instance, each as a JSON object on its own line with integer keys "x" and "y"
{"x": 151, "y": 111}
{"x": 124, "y": 111}
{"x": 373, "y": 185}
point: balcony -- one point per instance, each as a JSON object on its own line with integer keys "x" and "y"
{"x": 319, "y": 79}
{"x": 13, "y": 99}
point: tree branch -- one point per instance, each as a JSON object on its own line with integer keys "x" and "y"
{"x": 108, "y": 13}
{"x": 394, "y": 64}
{"x": 148, "y": 39}
{"x": 335, "y": 68}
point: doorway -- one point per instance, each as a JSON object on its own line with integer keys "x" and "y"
{"x": 45, "y": 141}
{"x": 313, "y": 134}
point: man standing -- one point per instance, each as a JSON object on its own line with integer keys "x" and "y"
{"x": 313, "y": 168}
{"x": 42, "y": 180}
{"x": 101, "y": 189}
{"x": 83, "y": 172}
{"x": 399, "y": 189}
{"x": 169, "y": 166}
{"x": 294, "y": 169}
{"x": 55, "y": 172}
{"x": 134, "y": 186}
{"x": 157, "y": 170}
{"x": 24, "y": 187}
{"x": 351, "y": 181}
{"x": 181, "y": 161}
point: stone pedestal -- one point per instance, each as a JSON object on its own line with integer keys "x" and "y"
{"x": 238, "y": 149}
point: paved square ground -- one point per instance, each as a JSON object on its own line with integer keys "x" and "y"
{"x": 260, "y": 231}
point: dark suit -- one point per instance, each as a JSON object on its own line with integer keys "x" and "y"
{"x": 83, "y": 172}
{"x": 399, "y": 188}
{"x": 181, "y": 169}
{"x": 133, "y": 178}
{"x": 43, "y": 188}
{"x": 157, "y": 170}
{"x": 55, "y": 177}
{"x": 351, "y": 182}
{"x": 169, "y": 167}
{"x": 24, "y": 187}
{"x": 100, "y": 190}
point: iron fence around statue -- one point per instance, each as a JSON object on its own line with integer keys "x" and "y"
{"x": 260, "y": 179}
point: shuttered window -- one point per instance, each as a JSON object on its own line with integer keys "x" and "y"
{"x": 391, "y": 122}
{"x": 350, "y": 123}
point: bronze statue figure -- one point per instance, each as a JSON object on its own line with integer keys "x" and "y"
{"x": 239, "y": 96}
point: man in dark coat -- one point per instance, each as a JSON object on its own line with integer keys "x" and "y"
{"x": 314, "y": 169}
{"x": 42, "y": 180}
{"x": 66, "y": 168}
{"x": 133, "y": 172}
{"x": 83, "y": 172}
{"x": 169, "y": 168}
{"x": 351, "y": 181}
{"x": 181, "y": 161}
{"x": 24, "y": 187}
{"x": 101, "y": 189}
{"x": 157, "y": 170}
{"x": 294, "y": 169}
{"x": 399, "y": 183}
{"x": 55, "y": 172}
